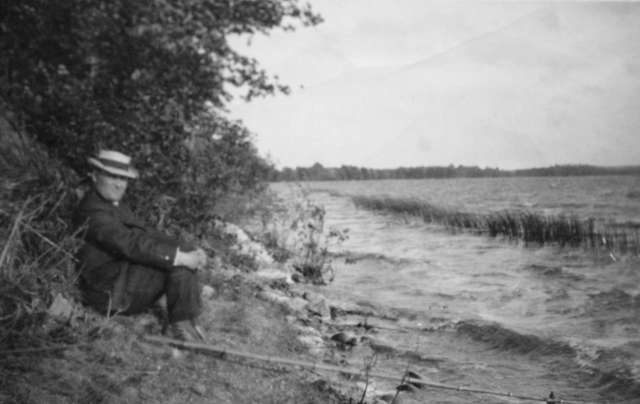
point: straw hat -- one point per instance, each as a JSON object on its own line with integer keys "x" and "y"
{"x": 114, "y": 162}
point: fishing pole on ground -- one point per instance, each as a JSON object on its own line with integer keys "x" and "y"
{"x": 357, "y": 372}
{"x": 369, "y": 327}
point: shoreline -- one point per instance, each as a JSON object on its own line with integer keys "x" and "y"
{"x": 333, "y": 333}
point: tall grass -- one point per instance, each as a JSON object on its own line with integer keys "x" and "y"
{"x": 529, "y": 227}
{"x": 36, "y": 260}
{"x": 36, "y": 243}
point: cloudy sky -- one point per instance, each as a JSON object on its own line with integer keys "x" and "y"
{"x": 509, "y": 84}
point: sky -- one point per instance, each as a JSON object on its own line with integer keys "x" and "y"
{"x": 403, "y": 83}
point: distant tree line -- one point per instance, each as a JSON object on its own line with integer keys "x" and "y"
{"x": 351, "y": 173}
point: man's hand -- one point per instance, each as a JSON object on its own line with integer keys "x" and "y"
{"x": 196, "y": 259}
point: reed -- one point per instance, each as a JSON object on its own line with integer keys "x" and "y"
{"x": 528, "y": 227}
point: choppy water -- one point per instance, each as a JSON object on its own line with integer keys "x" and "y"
{"x": 485, "y": 313}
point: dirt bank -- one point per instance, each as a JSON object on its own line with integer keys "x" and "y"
{"x": 87, "y": 358}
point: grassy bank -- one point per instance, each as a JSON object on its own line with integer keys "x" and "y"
{"x": 529, "y": 227}
{"x": 99, "y": 360}
{"x": 53, "y": 350}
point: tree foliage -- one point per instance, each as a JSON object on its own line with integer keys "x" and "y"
{"x": 147, "y": 77}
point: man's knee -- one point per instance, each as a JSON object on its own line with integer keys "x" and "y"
{"x": 182, "y": 274}
{"x": 184, "y": 279}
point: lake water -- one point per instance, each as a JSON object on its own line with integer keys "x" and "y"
{"x": 487, "y": 313}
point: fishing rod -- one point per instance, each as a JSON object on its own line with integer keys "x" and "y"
{"x": 357, "y": 372}
{"x": 369, "y": 327}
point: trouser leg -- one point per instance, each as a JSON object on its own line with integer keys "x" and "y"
{"x": 143, "y": 288}
{"x": 183, "y": 295}
{"x": 140, "y": 287}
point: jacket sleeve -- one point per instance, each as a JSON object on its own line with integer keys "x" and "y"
{"x": 130, "y": 240}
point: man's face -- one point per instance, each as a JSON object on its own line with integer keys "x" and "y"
{"x": 110, "y": 186}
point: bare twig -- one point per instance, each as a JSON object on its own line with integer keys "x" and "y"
{"x": 59, "y": 201}
{"x": 14, "y": 229}
{"x": 367, "y": 370}
{"x": 48, "y": 241}
{"x": 406, "y": 371}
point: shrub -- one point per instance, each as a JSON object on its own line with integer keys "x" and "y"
{"x": 293, "y": 226}
{"x": 150, "y": 79}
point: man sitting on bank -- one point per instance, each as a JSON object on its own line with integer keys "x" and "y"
{"x": 125, "y": 266}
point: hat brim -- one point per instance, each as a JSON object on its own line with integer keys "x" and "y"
{"x": 129, "y": 173}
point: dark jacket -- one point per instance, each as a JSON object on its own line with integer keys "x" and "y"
{"x": 114, "y": 240}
